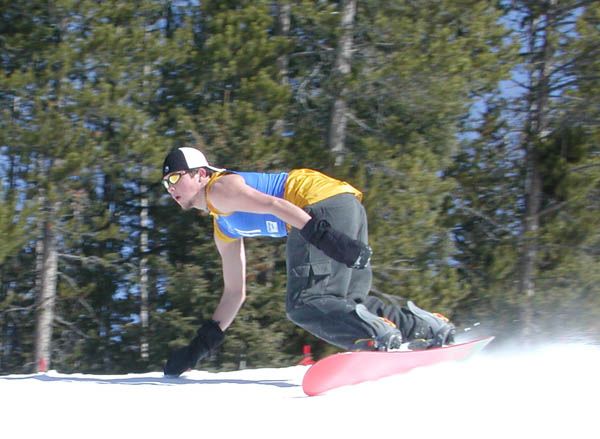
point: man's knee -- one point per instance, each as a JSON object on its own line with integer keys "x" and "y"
{"x": 298, "y": 315}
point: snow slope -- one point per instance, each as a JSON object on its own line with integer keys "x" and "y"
{"x": 552, "y": 392}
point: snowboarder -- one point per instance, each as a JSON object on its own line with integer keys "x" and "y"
{"x": 328, "y": 256}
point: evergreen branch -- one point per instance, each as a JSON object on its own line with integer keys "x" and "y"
{"x": 80, "y": 299}
{"x": 305, "y": 53}
{"x": 379, "y": 272}
{"x": 301, "y": 93}
{"x": 390, "y": 268}
{"x": 522, "y": 85}
{"x": 95, "y": 260}
{"x": 584, "y": 167}
{"x": 394, "y": 266}
{"x": 69, "y": 280}
{"x": 90, "y": 309}
{"x": 482, "y": 215}
{"x": 360, "y": 123}
{"x": 325, "y": 47}
{"x": 552, "y": 208}
{"x": 17, "y": 309}
{"x": 584, "y": 55}
{"x": 70, "y": 325}
{"x": 563, "y": 85}
{"x": 569, "y": 8}
{"x": 589, "y": 78}
{"x": 388, "y": 171}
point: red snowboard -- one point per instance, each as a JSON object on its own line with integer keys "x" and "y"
{"x": 356, "y": 367}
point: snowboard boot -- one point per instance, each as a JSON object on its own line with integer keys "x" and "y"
{"x": 387, "y": 337}
{"x": 432, "y": 327}
{"x": 420, "y": 329}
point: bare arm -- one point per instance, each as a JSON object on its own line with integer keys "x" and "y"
{"x": 234, "y": 275}
{"x": 231, "y": 194}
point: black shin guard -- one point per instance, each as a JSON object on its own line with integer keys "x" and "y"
{"x": 335, "y": 244}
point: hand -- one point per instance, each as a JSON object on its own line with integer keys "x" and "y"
{"x": 208, "y": 338}
{"x": 336, "y": 245}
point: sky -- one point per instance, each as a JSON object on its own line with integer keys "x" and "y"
{"x": 548, "y": 392}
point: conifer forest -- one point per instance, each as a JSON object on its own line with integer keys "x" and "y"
{"x": 471, "y": 126}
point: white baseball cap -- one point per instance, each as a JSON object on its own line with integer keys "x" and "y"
{"x": 184, "y": 159}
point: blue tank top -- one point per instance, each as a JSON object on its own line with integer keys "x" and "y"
{"x": 245, "y": 224}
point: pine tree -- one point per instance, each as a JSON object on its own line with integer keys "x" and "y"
{"x": 420, "y": 68}
{"x": 483, "y": 210}
{"x": 531, "y": 220}
{"x": 46, "y": 134}
{"x": 236, "y": 108}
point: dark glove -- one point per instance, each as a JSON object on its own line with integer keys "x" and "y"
{"x": 208, "y": 338}
{"x": 335, "y": 244}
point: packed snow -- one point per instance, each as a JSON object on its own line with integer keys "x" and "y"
{"x": 550, "y": 392}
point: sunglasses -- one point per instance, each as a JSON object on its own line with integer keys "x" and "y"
{"x": 172, "y": 179}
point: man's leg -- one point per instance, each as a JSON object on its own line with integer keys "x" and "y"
{"x": 391, "y": 308}
{"x": 318, "y": 292}
{"x": 333, "y": 281}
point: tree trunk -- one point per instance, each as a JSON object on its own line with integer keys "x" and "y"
{"x": 339, "y": 116}
{"x": 144, "y": 297}
{"x": 535, "y": 131}
{"x": 283, "y": 29}
{"x": 144, "y": 226}
{"x": 46, "y": 297}
{"x": 529, "y": 249}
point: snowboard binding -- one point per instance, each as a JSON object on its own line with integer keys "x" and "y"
{"x": 403, "y": 326}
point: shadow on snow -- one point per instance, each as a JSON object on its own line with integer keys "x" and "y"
{"x": 146, "y": 380}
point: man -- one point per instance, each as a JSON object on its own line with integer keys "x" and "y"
{"x": 329, "y": 275}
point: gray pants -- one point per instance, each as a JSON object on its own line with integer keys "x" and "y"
{"x": 322, "y": 294}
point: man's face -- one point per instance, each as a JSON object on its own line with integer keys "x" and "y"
{"x": 183, "y": 188}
